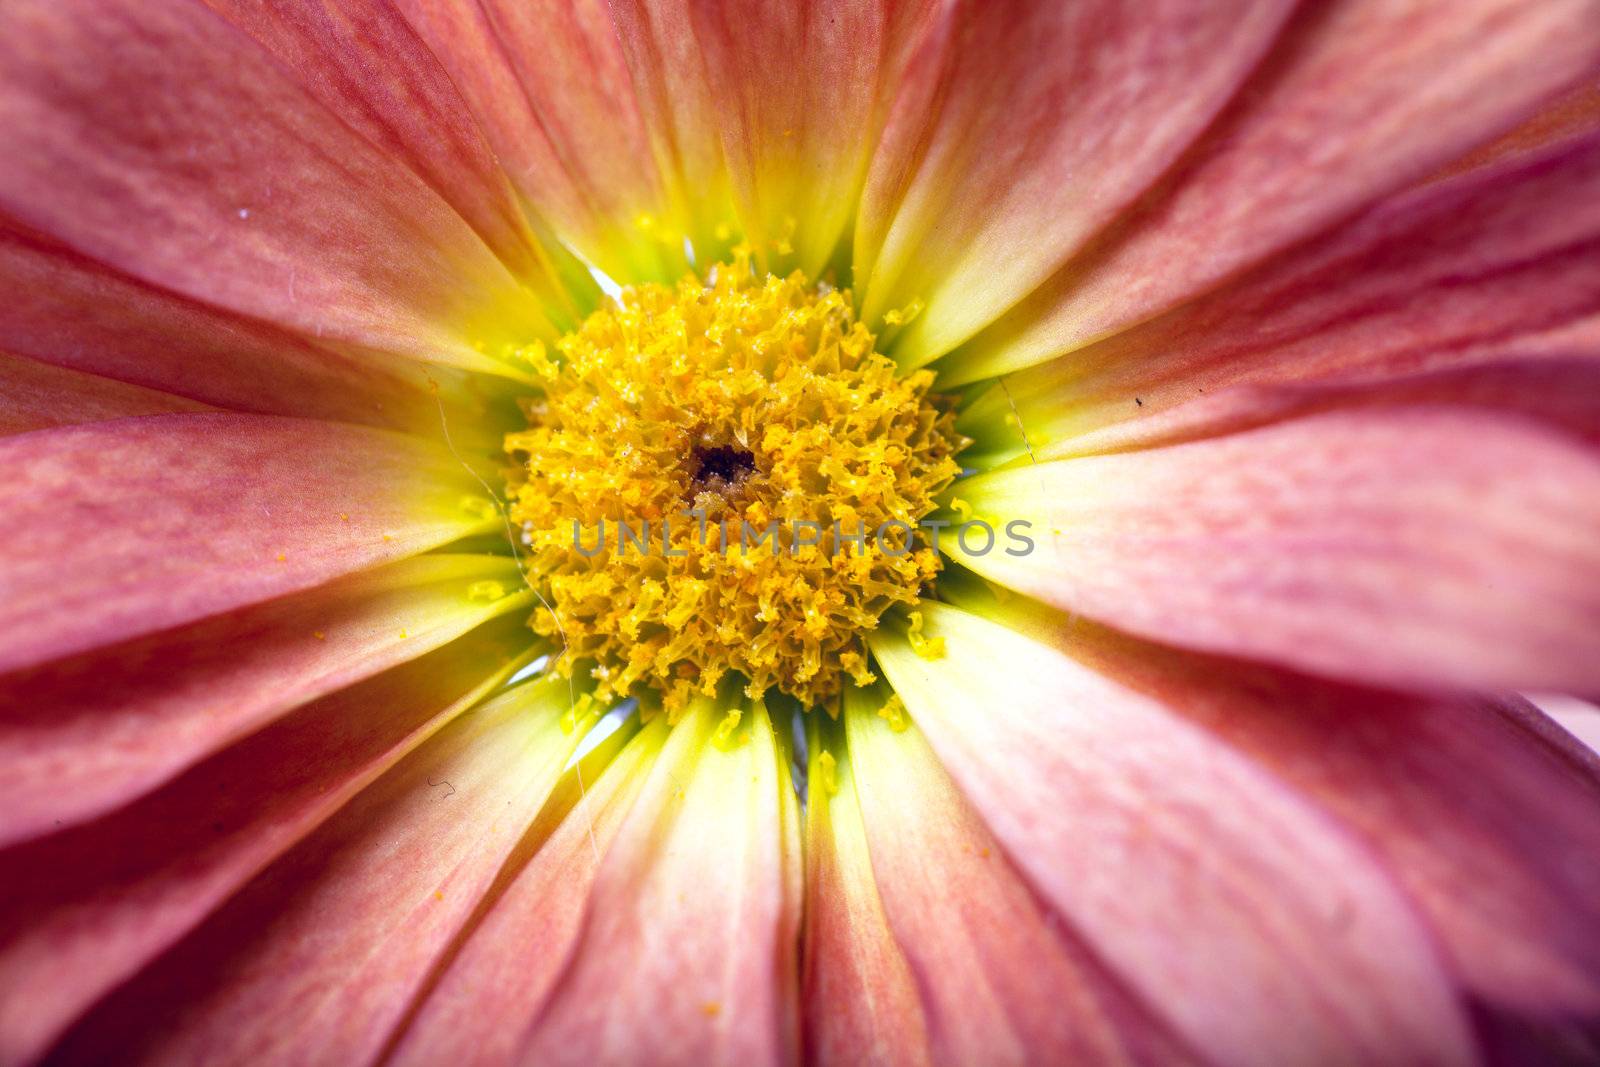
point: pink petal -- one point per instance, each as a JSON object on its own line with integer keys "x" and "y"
{"x": 1452, "y": 274}
{"x": 687, "y": 950}
{"x": 1555, "y": 390}
{"x": 68, "y": 310}
{"x": 1417, "y": 545}
{"x": 1022, "y": 129}
{"x": 362, "y": 60}
{"x": 1360, "y": 99}
{"x": 1489, "y": 827}
{"x": 483, "y": 1003}
{"x": 681, "y": 114}
{"x": 1568, "y": 116}
{"x": 91, "y": 733}
{"x": 123, "y": 528}
{"x": 859, "y": 997}
{"x": 153, "y": 136}
{"x": 964, "y": 917}
{"x": 317, "y": 958}
{"x": 1580, "y": 718}
{"x": 798, "y": 135}
{"x": 1258, "y": 928}
{"x": 551, "y": 88}
{"x": 37, "y": 396}
{"x": 84, "y": 910}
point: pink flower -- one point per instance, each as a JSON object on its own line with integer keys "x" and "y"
{"x": 1275, "y": 324}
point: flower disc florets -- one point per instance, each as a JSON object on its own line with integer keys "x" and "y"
{"x": 705, "y": 479}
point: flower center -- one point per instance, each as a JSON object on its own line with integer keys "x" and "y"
{"x": 722, "y": 479}
{"x": 721, "y": 470}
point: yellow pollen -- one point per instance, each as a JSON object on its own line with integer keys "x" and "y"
{"x": 727, "y": 728}
{"x": 479, "y": 508}
{"x": 894, "y": 713}
{"x": 723, "y": 478}
{"x": 901, "y": 316}
{"x": 923, "y": 645}
{"x": 828, "y": 773}
{"x": 486, "y": 591}
{"x": 578, "y": 714}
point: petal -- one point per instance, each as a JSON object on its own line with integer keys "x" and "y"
{"x": 1488, "y": 824}
{"x": 364, "y": 62}
{"x": 681, "y": 115}
{"x": 675, "y": 963}
{"x": 804, "y": 91}
{"x": 83, "y": 910}
{"x": 1568, "y": 116}
{"x": 1022, "y": 129}
{"x": 123, "y": 528}
{"x": 859, "y": 996}
{"x": 1580, "y": 718}
{"x": 315, "y": 958}
{"x": 1490, "y": 829}
{"x": 37, "y": 396}
{"x": 70, "y": 311}
{"x": 964, "y": 916}
{"x": 1176, "y": 861}
{"x": 1408, "y": 545}
{"x": 551, "y": 88}
{"x": 1554, "y": 390}
{"x": 1359, "y": 100}
{"x": 153, "y": 136}
{"x": 1452, "y": 274}
{"x": 90, "y": 733}
{"x": 493, "y": 989}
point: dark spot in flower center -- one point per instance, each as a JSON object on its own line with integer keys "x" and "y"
{"x": 721, "y": 470}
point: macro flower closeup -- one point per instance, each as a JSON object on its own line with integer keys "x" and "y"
{"x": 776, "y": 531}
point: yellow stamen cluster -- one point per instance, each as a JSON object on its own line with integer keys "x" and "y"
{"x": 710, "y": 410}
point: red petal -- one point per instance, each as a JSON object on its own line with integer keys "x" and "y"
{"x": 92, "y": 732}
{"x": 682, "y": 116}
{"x": 1453, "y": 274}
{"x": 859, "y": 996}
{"x": 70, "y": 311}
{"x": 552, "y": 90}
{"x": 1258, "y": 928}
{"x": 317, "y": 958}
{"x": 1569, "y": 116}
{"x": 1491, "y": 829}
{"x": 1359, "y": 100}
{"x": 1416, "y": 545}
{"x": 798, "y": 134}
{"x": 155, "y": 137}
{"x": 484, "y": 1002}
{"x": 687, "y": 952}
{"x": 363, "y": 61}
{"x": 37, "y": 396}
{"x": 1022, "y": 129}
{"x": 85, "y": 909}
{"x": 1556, "y": 391}
{"x": 963, "y": 917}
{"x": 122, "y": 528}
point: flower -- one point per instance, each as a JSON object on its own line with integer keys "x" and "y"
{"x": 327, "y": 321}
